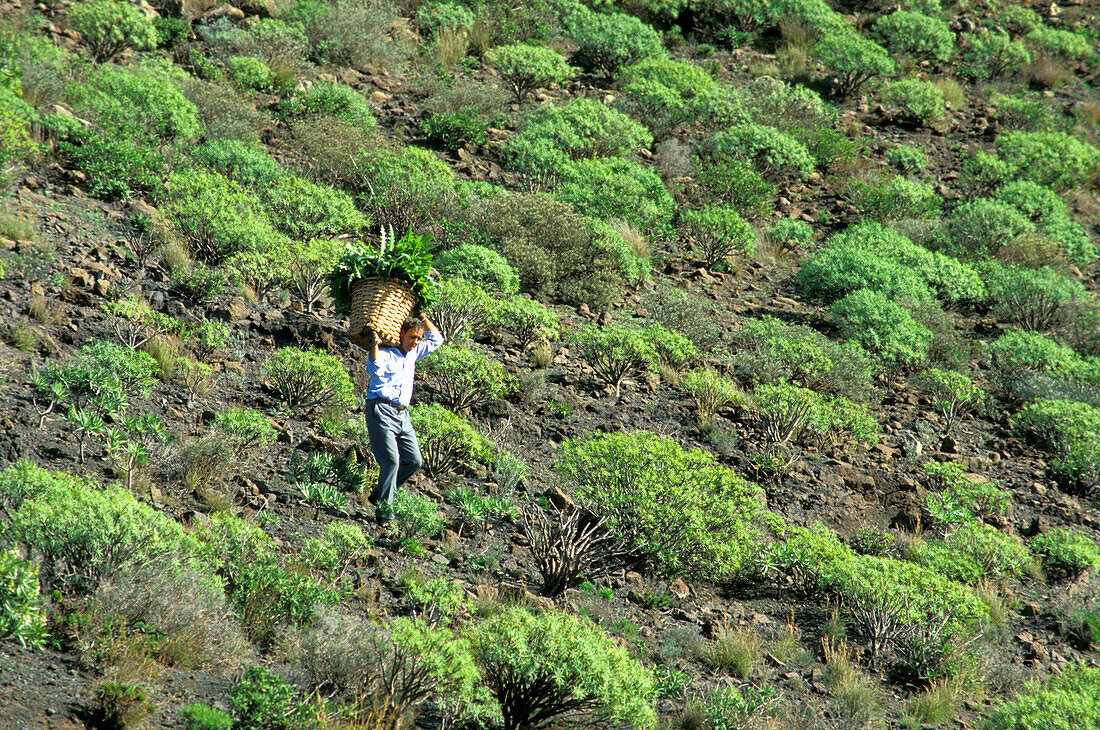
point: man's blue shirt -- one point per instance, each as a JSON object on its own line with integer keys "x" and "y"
{"x": 391, "y": 374}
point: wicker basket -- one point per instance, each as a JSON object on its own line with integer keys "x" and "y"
{"x": 382, "y": 305}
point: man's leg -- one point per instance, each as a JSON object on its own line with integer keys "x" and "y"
{"x": 409, "y": 451}
{"x": 383, "y": 444}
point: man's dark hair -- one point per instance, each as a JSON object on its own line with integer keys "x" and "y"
{"x": 413, "y": 323}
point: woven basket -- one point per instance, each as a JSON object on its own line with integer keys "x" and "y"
{"x": 382, "y": 305}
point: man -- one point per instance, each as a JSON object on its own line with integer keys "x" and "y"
{"x": 387, "y": 398}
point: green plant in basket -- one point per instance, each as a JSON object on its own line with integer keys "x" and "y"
{"x": 408, "y": 259}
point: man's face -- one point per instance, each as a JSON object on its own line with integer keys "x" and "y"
{"x": 410, "y": 339}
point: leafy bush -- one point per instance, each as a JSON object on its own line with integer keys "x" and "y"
{"x": 526, "y": 68}
{"x": 671, "y": 348}
{"x": 677, "y": 311}
{"x": 1023, "y": 112}
{"x": 108, "y": 26}
{"x": 662, "y": 93}
{"x": 1054, "y": 159}
{"x": 352, "y": 33}
{"x": 1066, "y": 553}
{"x": 677, "y": 507}
{"x": 919, "y": 35}
{"x": 614, "y": 188}
{"x": 466, "y": 377}
{"x": 197, "y": 716}
{"x": 16, "y": 117}
{"x": 248, "y": 72}
{"x": 607, "y": 42}
{"x": 449, "y": 440}
{"x": 462, "y": 308}
{"x": 773, "y": 153}
{"x": 338, "y": 101}
{"x": 542, "y": 666}
{"x": 1018, "y": 351}
{"x": 907, "y": 159}
{"x": 1018, "y": 19}
{"x": 310, "y": 378}
{"x": 961, "y": 498}
{"x": 894, "y": 198}
{"x": 22, "y": 610}
{"x": 262, "y": 700}
{"x": 1051, "y": 216}
{"x": 735, "y": 182}
{"x": 952, "y": 394}
{"x": 775, "y": 103}
{"x": 110, "y": 365}
{"x": 1066, "y": 701}
{"x": 990, "y": 54}
{"x": 978, "y": 228}
{"x": 871, "y": 256}
{"x": 1033, "y": 298}
{"x": 921, "y": 100}
{"x": 882, "y": 327}
{"x": 854, "y": 60}
{"x": 527, "y": 319}
{"x": 769, "y": 351}
{"x": 250, "y": 165}
{"x": 615, "y": 352}
{"x": 225, "y": 112}
{"x": 712, "y": 393}
{"x": 437, "y": 17}
{"x": 1071, "y": 430}
{"x": 478, "y": 263}
{"x": 581, "y": 129}
{"x": 789, "y": 413}
{"x": 1064, "y": 43}
{"x": 718, "y": 231}
{"x": 245, "y": 428}
{"x": 143, "y": 100}
{"x": 303, "y": 210}
{"x": 972, "y": 552}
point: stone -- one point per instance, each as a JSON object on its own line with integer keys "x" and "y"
{"x": 80, "y": 277}
{"x": 560, "y": 500}
{"x": 949, "y": 445}
{"x": 679, "y": 588}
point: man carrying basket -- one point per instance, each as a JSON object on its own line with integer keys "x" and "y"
{"x": 392, "y": 439}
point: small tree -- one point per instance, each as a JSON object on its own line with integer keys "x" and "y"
{"x": 108, "y": 26}
{"x": 719, "y": 230}
{"x": 449, "y": 440}
{"x": 853, "y": 60}
{"x": 615, "y": 353}
{"x": 309, "y": 266}
{"x": 544, "y": 666}
{"x": 310, "y": 378}
{"x": 953, "y": 394}
{"x": 712, "y": 392}
{"x": 525, "y": 68}
{"x": 527, "y": 319}
{"x": 465, "y": 376}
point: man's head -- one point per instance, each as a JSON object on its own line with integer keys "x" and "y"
{"x": 412, "y": 331}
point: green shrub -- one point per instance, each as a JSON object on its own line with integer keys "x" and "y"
{"x": 916, "y": 34}
{"x": 249, "y": 165}
{"x": 718, "y": 231}
{"x": 1037, "y": 299}
{"x": 789, "y": 413}
{"x": 107, "y": 27}
{"x": 852, "y": 59}
{"x": 338, "y": 101}
{"x": 953, "y": 394}
{"x": 921, "y": 100}
{"x": 437, "y": 17}
{"x": 526, "y": 68}
{"x": 769, "y": 351}
{"x": 772, "y": 102}
{"x": 1071, "y": 431}
{"x": 977, "y": 229}
{"x": 448, "y": 440}
{"x": 973, "y": 552}
{"x": 735, "y": 182}
{"x": 1019, "y": 351}
{"x": 281, "y": 46}
{"x": 677, "y": 507}
{"x": 871, "y": 256}
{"x": 16, "y": 117}
{"x": 542, "y": 666}
{"x": 607, "y": 42}
{"x": 197, "y": 716}
{"x": 352, "y": 33}
{"x": 894, "y": 198}
{"x": 712, "y": 392}
{"x": 217, "y": 216}
{"x": 462, "y": 309}
{"x": 990, "y": 54}
{"x": 678, "y": 311}
{"x": 303, "y": 210}
{"x": 1067, "y": 701}
{"x": 774, "y": 154}
{"x": 1054, "y": 159}
{"x": 1051, "y": 216}
{"x": 662, "y": 93}
{"x": 1064, "y": 43}
{"x": 249, "y": 73}
{"x": 614, "y": 188}
{"x": 143, "y": 100}
{"x": 466, "y": 377}
{"x": 399, "y": 187}
{"x": 907, "y": 159}
{"x": 671, "y": 348}
{"x": 245, "y": 428}
{"x": 263, "y": 700}
{"x": 528, "y": 320}
{"x": 581, "y": 129}
{"x": 309, "y": 378}
{"x": 110, "y": 365}
{"x": 22, "y": 610}
{"x": 1066, "y": 553}
{"x": 1018, "y": 19}
{"x": 882, "y": 327}
{"x": 615, "y": 353}
{"x": 478, "y": 263}
{"x": 86, "y": 533}
{"x": 961, "y": 498}
{"x": 788, "y": 234}
{"x": 1022, "y": 112}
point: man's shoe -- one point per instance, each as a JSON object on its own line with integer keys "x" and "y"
{"x": 373, "y": 500}
{"x": 383, "y": 516}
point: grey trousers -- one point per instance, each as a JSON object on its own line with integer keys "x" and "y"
{"x": 395, "y": 448}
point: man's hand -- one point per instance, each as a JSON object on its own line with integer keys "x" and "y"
{"x": 370, "y": 337}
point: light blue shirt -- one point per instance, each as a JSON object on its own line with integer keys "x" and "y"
{"x": 391, "y": 374}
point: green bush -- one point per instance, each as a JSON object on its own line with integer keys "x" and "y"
{"x": 197, "y": 716}
{"x": 245, "y": 428}
{"x": 774, "y": 154}
{"x": 990, "y": 54}
{"x": 718, "y": 231}
{"x": 977, "y": 229}
{"x": 338, "y": 101}
{"x": 735, "y": 182}
{"x": 262, "y": 700}
{"x": 303, "y": 210}
{"x": 525, "y": 68}
{"x": 607, "y": 42}
{"x": 788, "y": 234}
{"x": 662, "y": 93}
{"x": 310, "y": 378}
{"x": 961, "y": 498}
{"x": 680, "y": 312}
{"x": 462, "y": 308}
{"x": 351, "y": 33}
{"x": 1022, "y": 112}
{"x": 953, "y": 394}
{"x": 677, "y": 507}
{"x": 542, "y": 666}
{"x": 1071, "y": 431}
{"x": 581, "y": 129}
{"x": 882, "y": 327}
{"x": 448, "y": 440}
{"x": 1054, "y": 159}
{"x": 528, "y": 320}
{"x": 249, "y": 165}
{"x": 1037, "y": 299}
{"x": 107, "y": 27}
{"x": 712, "y": 392}
{"x": 1063, "y": 43}
{"x": 615, "y": 353}
{"x": 143, "y": 100}
{"x": 480, "y": 264}
{"x": 16, "y": 117}
{"x": 614, "y": 188}
{"x": 249, "y": 73}
{"x": 774, "y": 103}
{"x": 894, "y": 198}
{"x": 1067, "y": 701}
{"x": 871, "y": 256}
{"x": 22, "y": 610}
{"x": 1051, "y": 216}
{"x": 1066, "y": 553}
{"x": 466, "y": 377}
{"x": 789, "y": 413}
{"x": 399, "y": 187}
{"x": 907, "y": 159}
{"x": 769, "y": 351}
{"x": 217, "y": 216}
{"x": 281, "y": 46}
{"x": 1016, "y": 351}
{"x": 1018, "y": 19}
{"x": 971, "y": 553}
{"x": 437, "y": 17}
{"x": 921, "y": 36}
{"x": 921, "y": 100}
{"x": 110, "y": 365}
{"x": 852, "y": 59}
